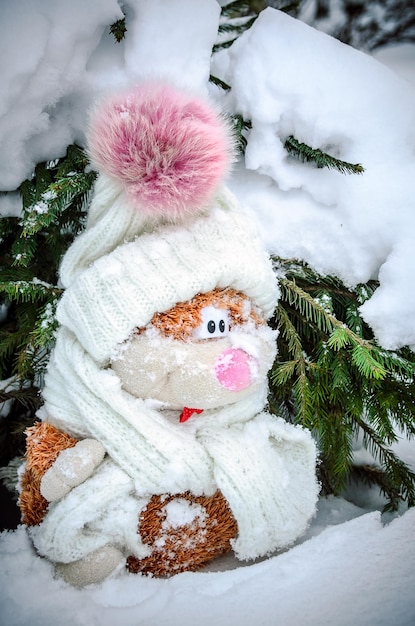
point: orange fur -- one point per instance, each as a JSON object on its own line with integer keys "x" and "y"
{"x": 180, "y": 321}
{"x": 43, "y": 444}
{"x": 188, "y": 547}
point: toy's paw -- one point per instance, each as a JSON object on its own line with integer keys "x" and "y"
{"x": 184, "y": 533}
{"x": 92, "y": 569}
{"x": 71, "y": 468}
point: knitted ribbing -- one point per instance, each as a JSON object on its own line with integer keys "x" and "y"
{"x": 265, "y": 469}
{"x": 110, "y": 223}
{"x": 102, "y": 510}
{"x": 123, "y": 289}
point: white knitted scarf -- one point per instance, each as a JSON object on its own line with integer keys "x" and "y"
{"x": 264, "y": 466}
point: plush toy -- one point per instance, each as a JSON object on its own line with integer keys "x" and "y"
{"x": 154, "y": 450}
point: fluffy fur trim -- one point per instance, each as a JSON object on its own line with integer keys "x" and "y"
{"x": 168, "y": 149}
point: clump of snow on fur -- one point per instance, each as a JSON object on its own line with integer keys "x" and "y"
{"x": 168, "y": 149}
{"x": 181, "y": 512}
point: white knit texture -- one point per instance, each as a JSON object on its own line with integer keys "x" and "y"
{"x": 101, "y": 511}
{"x": 111, "y": 222}
{"x": 123, "y": 289}
{"x": 264, "y": 467}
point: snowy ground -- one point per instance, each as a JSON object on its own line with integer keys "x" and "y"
{"x": 355, "y": 572}
{"x": 352, "y": 567}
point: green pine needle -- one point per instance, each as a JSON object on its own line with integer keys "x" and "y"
{"x": 53, "y": 213}
{"x": 28, "y": 291}
{"x": 118, "y": 30}
{"x": 333, "y": 378}
{"x": 219, "y": 83}
{"x": 54, "y": 200}
{"x": 236, "y": 27}
{"x": 304, "y": 152}
{"x": 237, "y": 8}
{"x": 236, "y": 18}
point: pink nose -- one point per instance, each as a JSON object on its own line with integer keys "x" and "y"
{"x": 232, "y": 369}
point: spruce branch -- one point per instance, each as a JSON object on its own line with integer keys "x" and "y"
{"x": 9, "y": 475}
{"x": 54, "y": 200}
{"x": 374, "y": 476}
{"x": 332, "y": 377}
{"x": 219, "y": 83}
{"x": 309, "y": 308}
{"x": 289, "y": 333}
{"x": 303, "y": 152}
{"x": 400, "y": 478}
{"x": 237, "y": 26}
{"x": 26, "y": 395}
{"x": 240, "y": 127}
{"x": 242, "y": 8}
{"x": 53, "y": 213}
{"x": 35, "y": 349}
{"x": 236, "y": 18}
{"x": 118, "y": 29}
{"x": 238, "y": 8}
{"x": 53, "y": 208}
{"x": 28, "y": 291}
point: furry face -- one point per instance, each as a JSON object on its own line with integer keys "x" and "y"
{"x": 212, "y": 351}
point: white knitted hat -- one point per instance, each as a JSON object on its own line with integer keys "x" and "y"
{"x": 187, "y": 240}
{"x": 123, "y": 289}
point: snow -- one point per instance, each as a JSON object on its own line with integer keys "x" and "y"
{"x": 352, "y": 566}
{"x": 355, "y": 571}
{"x": 57, "y": 58}
{"x": 180, "y": 512}
{"x": 338, "y": 99}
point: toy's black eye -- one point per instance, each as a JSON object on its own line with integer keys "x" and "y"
{"x": 214, "y": 323}
{"x": 211, "y": 326}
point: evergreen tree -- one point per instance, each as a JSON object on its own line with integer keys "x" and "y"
{"x": 332, "y": 377}
{"x": 363, "y": 25}
{"x": 31, "y": 247}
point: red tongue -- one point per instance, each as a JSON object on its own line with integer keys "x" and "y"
{"x": 186, "y": 413}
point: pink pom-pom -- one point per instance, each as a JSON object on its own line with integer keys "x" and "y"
{"x": 168, "y": 149}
